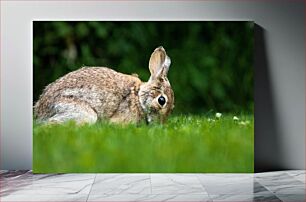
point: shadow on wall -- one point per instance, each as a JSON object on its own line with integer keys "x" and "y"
{"x": 267, "y": 144}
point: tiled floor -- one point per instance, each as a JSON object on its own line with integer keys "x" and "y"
{"x": 271, "y": 186}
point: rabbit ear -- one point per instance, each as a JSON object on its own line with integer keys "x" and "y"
{"x": 159, "y": 63}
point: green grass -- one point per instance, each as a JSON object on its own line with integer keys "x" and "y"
{"x": 183, "y": 144}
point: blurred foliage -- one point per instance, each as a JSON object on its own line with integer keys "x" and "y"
{"x": 212, "y": 62}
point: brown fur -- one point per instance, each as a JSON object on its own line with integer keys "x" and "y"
{"x": 93, "y": 93}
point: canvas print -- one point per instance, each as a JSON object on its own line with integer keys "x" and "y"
{"x": 133, "y": 97}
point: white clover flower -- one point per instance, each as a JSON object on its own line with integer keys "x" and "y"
{"x": 218, "y": 115}
{"x": 244, "y": 123}
{"x": 235, "y": 118}
{"x": 211, "y": 120}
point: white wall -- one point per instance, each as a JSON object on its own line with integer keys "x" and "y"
{"x": 283, "y": 27}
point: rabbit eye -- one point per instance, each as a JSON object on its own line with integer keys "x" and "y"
{"x": 161, "y": 100}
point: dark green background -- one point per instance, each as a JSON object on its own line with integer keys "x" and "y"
{"x": 212, "y": 62}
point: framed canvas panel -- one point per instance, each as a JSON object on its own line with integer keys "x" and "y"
{"x": 143, "y": 96}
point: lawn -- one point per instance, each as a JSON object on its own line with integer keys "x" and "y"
{"x": 184, "y": 144}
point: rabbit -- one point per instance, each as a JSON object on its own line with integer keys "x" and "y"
{"x": 90, "y": 94}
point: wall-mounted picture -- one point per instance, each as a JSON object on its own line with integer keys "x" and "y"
{"x": 143, "y": 97}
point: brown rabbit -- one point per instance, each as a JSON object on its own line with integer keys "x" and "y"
{"x": 93, "y": 93}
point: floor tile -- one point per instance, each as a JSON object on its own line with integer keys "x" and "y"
{"x": 217, "y": 184}
{"x": 150, "y": 197}
{"x": 275, "y": 175}
{"x": 259, "y": 189}
{"x": 266, "y": 197}
{"x": 175, "y": 184}
{"x": 58, "y": 184}
{"x": 13, "y": 173}
{"x": 292, "y": 197}
{"x": 297, "y": 174}
{"x": 15, "y": 180}
{"x": 121, "y": 184}
{"x": 115, "y": 198}
{"x": 282, "y": 183}
{"x": 245, "y": 198}
{"x": 43, "y": 198}
{"x": 3, "y": 171}
{"x": 185, "y": 197}
{"x": 287, "y": 186}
